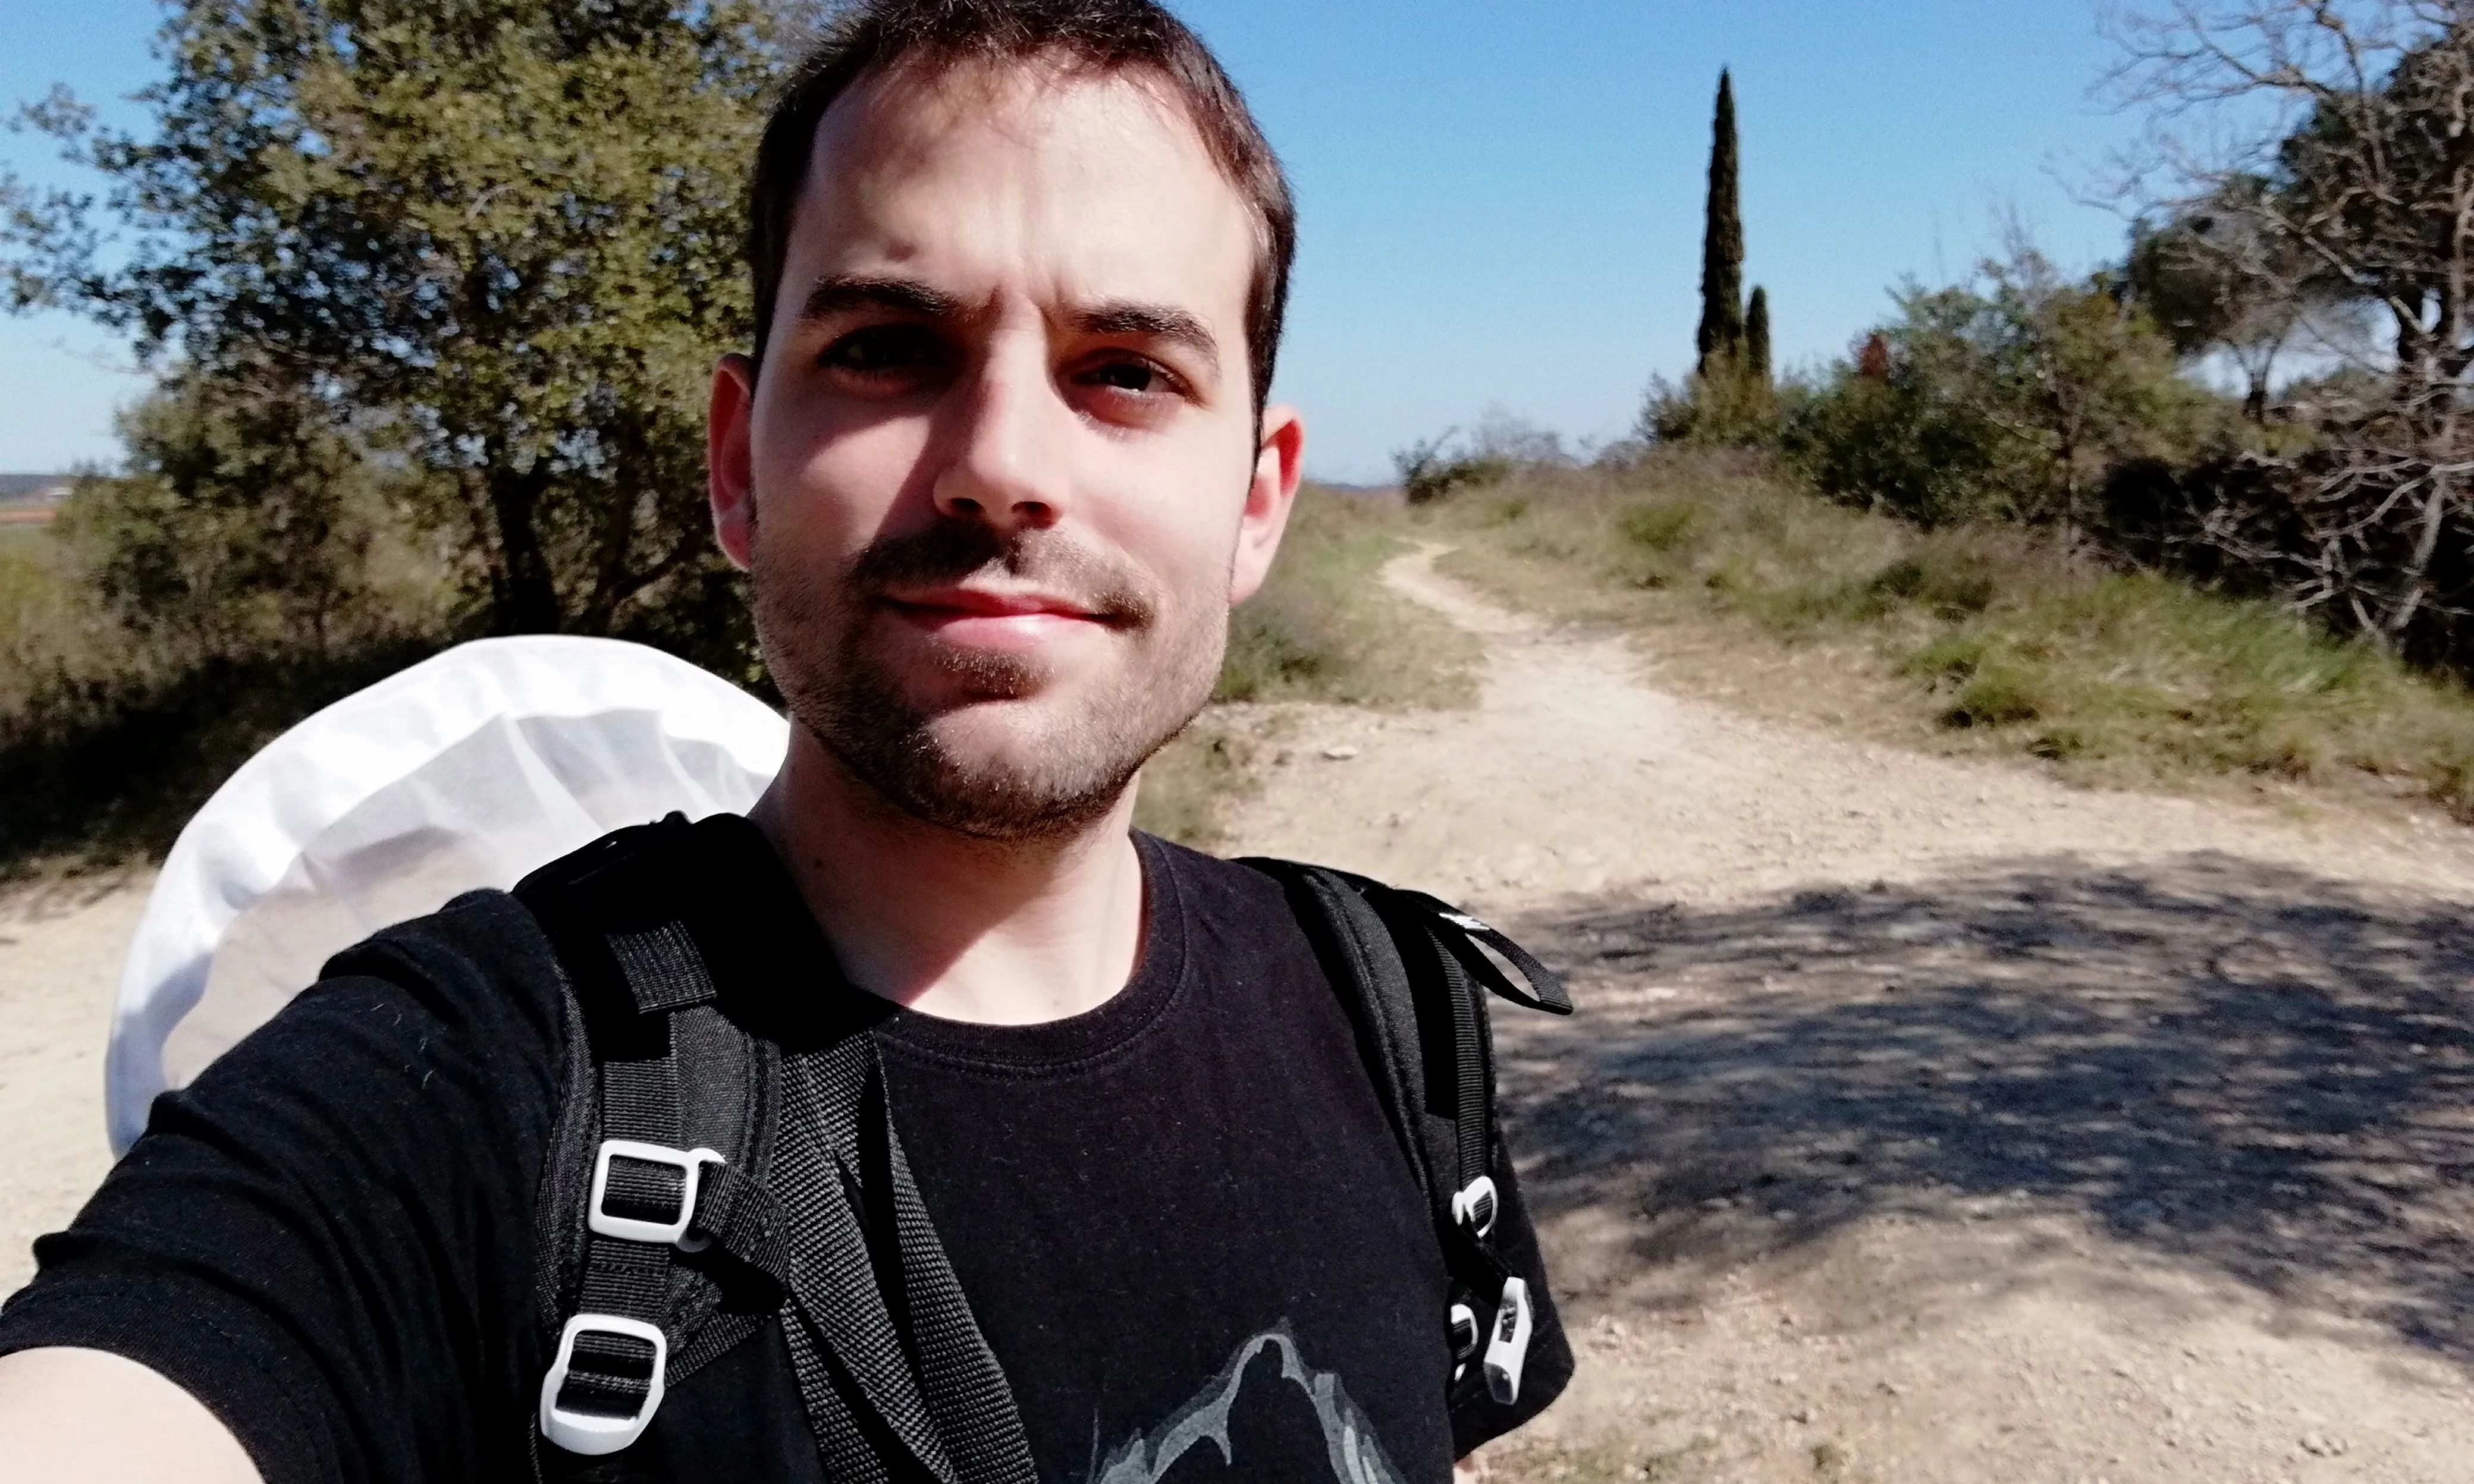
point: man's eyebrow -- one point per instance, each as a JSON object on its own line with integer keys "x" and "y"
{"x": 840, "y": 294}
{"x": 1154, "y": 321}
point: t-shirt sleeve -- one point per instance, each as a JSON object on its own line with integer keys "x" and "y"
{"x": 328, "y": 1238}
{"x": 1548, "y": 1368}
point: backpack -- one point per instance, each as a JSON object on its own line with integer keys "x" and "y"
{"x": 663, "y": 1216}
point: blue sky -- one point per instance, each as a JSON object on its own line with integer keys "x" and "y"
{"x": 1500, "y": 203}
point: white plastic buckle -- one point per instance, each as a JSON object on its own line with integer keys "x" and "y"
{"x": 1508, "y": 1348}
{"x": 689, "y": 1162}
{"x": 594, "y": 1433}
{"x": 1466, "y": 1205}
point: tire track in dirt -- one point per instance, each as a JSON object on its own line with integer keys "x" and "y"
{"x": 1927, "y": 1119}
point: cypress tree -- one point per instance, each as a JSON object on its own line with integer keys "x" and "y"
{"x": 1722, "y": 243}
{"x": 1757, "y": 336}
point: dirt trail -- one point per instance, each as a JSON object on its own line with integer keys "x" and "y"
{"x": 60, "y": 966}
{"x": 1928, "y": 1120}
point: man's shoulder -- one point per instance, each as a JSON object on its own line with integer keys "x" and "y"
{"x": 1228, "y": 893}
{"x": 482, "y": 940}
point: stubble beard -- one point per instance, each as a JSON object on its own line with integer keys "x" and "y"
{"x": 1044, "y": 780}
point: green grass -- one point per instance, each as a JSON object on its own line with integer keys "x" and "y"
{"x": 1993, "y": 636}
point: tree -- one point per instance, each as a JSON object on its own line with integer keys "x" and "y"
{"x": 2084, "y": 377}
{"x": 246, "y": 525}
{"x": 1757, "y": 336}
{"x": 2218, "y": 278}
{"x": 2361, "y": 188}
{"x": 499, "y": 239}
{"x": 1722, "y": 242}
{"x": 2008, "y": 399}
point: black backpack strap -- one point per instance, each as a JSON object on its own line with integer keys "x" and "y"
{"x": 892, "y": 1370}
{"x": 880, "y": 1316}
{"x": 652, "y": 1211}
{"x": 1415, "y": 972}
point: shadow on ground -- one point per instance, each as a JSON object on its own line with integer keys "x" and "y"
{"x": 2247, "y": 1067}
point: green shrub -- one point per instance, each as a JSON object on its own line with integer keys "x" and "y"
{"x": 2006, "y": 399}
{"x": 1660, "y": 528}
{"x": 1730, "y": 405}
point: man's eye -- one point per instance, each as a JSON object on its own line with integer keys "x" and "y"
{"x": 882, "y": 349}
{"x": 1143, "y": 378}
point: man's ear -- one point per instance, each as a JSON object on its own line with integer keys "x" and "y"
{"x": 1279, "y": 462}
{"x": 728, "y": 461}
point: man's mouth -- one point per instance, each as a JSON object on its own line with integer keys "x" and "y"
{"x": 995, "y": 619}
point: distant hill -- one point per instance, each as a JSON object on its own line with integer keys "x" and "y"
{"x": 34, "y": 488}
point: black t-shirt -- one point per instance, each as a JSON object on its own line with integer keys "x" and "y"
{"x": 1181, "y": 1219}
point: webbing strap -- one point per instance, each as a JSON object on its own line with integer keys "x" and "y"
{"x": 663, "y": 967}
{"x": 1472, "y": 1069}
{"x": 611, "y": 1374}
{"x": 850, "y": 1458}
{"x": 1461, "y": 934}
{"x": 929, "y": 1380}
{"x": 1365, "y": 967}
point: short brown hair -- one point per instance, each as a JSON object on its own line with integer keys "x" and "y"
{"x": 1103, "y": 36}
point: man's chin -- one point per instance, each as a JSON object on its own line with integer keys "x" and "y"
{"x": 997, "y": 769}
{"x": 1012, "y": 746}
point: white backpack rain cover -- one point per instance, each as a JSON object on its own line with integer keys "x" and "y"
{"x": 466, "y": 771}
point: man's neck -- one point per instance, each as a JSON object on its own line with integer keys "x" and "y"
{"x": 998, "y": 932}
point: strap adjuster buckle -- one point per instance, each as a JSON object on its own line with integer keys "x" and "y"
{"x": 1474, "y": 1206}
{"x": 595, "y": 1433}
{"x": 689, "y": 1162}
{"x": 1507, "y": 1349}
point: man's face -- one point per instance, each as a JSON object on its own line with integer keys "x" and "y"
{"x": 999, "y": 480}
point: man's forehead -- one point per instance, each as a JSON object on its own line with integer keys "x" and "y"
{"x": 1096, "y": 181}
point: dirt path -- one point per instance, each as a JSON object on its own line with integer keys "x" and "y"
{"x": 1928, "y": 1120}
{"x": 60, "y": 965}
{"x": 1925, "y": 1121}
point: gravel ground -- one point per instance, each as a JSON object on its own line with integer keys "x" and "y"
{"x": 1929, "y": 1120}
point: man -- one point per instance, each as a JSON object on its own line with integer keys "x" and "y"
{"x": 997, "y": 466}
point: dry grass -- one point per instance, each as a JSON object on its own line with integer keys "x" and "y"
{"x": 1189, "y": 785}
{"x": 1323, "y": 628}
{"x": 1980, "y": 639}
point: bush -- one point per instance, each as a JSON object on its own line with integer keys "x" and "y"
{"x": 1907, "y": 447}
{"x": 1431, "y": 470}
{"x": 1730, "y": 405}
{"x": 103, "y": 768}
{"x": 1500, "y": 446}
{"x": 2008, "y": 401}
{"x": 249, "y": 525}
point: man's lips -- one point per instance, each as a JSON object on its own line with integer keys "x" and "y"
{"x": 975, "y": 618}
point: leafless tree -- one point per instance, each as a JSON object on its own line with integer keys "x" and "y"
{"x": 2331, "y": 146}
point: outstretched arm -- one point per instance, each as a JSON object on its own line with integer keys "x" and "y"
{"x": 90, "y": 1417}
{"x": 323, "y": 1247}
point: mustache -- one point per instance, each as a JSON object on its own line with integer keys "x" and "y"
{"x": 953, "y": 551}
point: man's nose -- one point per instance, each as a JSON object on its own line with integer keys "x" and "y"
{"x": 1004, "y": 445}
